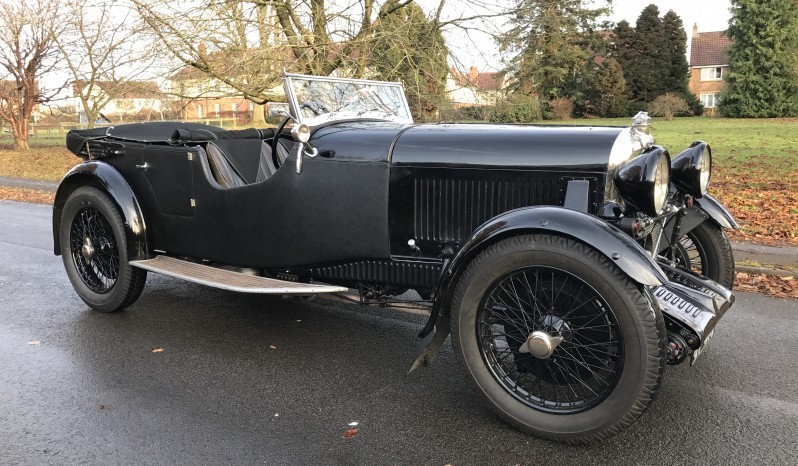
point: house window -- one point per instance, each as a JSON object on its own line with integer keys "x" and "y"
{"x": 200, "y": 112}
{"x": 218, "y": 109}
{"x": 252, "y": 106}
{"x": 235, "y": 107}
{"x": 712, "y": 74}
{"x": 710, "y": 100}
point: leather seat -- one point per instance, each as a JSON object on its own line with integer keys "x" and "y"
{"x": 238, "y": 162}
{"x": 223, "y": 172}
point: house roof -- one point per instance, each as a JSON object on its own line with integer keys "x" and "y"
{"x": 483, "y": 82}
{"x": 490, "y": 81}
{"x": 709, "y": 48}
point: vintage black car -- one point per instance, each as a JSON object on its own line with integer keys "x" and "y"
{"x": 569, "y": 264}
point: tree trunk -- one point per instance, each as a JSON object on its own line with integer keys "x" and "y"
{"x": 20, "y": 131}
{"x": 91, "y": 117}
{"x": 259, "y": 116}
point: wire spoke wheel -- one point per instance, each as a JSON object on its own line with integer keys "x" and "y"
{"x": 690, "y": 254}
{"x": 94, "y": 250}
{"x": 705, "y": 250}
{"x": 545, "y": 305}
{"x": 557, "y": 337}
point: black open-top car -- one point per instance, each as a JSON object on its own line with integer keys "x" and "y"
{"x": 569, "y": 264}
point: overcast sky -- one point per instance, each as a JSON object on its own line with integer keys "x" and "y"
{"x": 474, "y": 48}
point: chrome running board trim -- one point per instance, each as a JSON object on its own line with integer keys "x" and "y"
{"x": 229, "y": 280}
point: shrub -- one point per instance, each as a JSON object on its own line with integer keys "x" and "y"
{"x": 562, "y": 108}
{"x": 635, "y": 106}
{"x": 668, "y": 105}
{"x": 516, "y": 108}
{"x": 695, "y": 105}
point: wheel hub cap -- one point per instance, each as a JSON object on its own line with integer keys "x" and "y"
{"x": 540, "y": 344}
{"x": 87, "y": 251}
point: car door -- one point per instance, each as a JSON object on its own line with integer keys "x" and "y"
{"x": 335, "y": 210}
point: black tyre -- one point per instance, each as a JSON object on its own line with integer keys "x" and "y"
{"x": 94, "y": 251}
{"x": 559, "y": 340}
{"x": 707, "y": 251}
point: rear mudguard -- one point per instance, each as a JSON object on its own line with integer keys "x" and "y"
{"x": 607, "y": 239}
{"x": 107, "y": 178}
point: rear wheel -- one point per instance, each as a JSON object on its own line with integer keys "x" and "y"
{"x": 706, "y": 250}
{"x": 94, "y": 251}
{"x": 560, "y": 341}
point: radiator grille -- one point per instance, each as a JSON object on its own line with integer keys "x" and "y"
{"x": 451, "y": 209}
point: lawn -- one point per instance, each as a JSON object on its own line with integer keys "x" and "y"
{"x": 755, "y": 167}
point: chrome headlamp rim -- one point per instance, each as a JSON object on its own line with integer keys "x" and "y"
{"x": 705, "y": 170}
{"x": 692, "y": 169}
{"x": 644, "y": 181}
{"x": 661, "y": 184}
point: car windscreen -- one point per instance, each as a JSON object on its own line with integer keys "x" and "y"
{"x": 317, "y": 100}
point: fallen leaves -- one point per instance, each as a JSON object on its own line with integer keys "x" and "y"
{"x": 41, "y": 163}
{"x": 763, "y": 201}
{"x": 158, "y": 350}
{"x": 771, "y": 285}
{"x": 34, "y": 196}
{"x": 349, "y": 433}
{"x": 272, "y": 347}
{"x": 34, "y": 342}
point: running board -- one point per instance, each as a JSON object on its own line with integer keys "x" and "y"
{"x": 229, "y": 280}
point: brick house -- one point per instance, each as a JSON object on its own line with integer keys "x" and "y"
{"x": 709, "y": 66}
{"x": 474, "y": 88}
{"x": 124, "y": 100}
{"x": 205, "y": 98}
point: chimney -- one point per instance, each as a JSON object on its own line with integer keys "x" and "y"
{"x": 202, "y": 50}
{"x": 695, "y": 29}
{"x": 473, "y": 73}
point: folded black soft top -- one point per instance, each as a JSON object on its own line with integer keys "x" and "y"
{"x": 163, "y": 132}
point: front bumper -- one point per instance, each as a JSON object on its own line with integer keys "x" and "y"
{"x": 692, "y": 306}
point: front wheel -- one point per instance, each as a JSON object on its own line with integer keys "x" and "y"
{"x": 557, "y": 338}
{"x": 94, "y": 251}
{"x": 706, "y": 250}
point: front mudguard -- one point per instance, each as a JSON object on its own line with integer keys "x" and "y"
{"x": 717, "y": 212}
{"x": 104, "y": 176}
{"x": 596, "y": 233}
{"x": 705, "y": 209}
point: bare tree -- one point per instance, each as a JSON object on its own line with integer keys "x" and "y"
{"x": 244, "y": 45}
{"x": 102, "y": 47}
{"x": 26, "y": 53}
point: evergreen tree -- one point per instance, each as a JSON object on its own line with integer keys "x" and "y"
{"x": 553, "y": 40}
{"x": 652, "y": 58}
{"x": 610, "y": 90}
{"x": 675, "y": 77}
{"x": 763, "y": 79}
{"x": 410, "y": 48}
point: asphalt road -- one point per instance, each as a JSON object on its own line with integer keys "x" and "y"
{"x": 248, "y": 379}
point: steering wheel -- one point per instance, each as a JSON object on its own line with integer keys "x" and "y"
{"x": 276, "y": 140}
